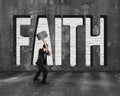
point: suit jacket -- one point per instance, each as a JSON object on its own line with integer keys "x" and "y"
{"x": 42, "y": 58}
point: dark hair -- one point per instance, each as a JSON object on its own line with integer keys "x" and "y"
{"x": 45, "y": 46}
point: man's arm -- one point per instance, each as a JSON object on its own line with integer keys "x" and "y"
{"x": 48, "y": 53}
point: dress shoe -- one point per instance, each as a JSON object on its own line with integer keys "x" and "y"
{"x": 44, "y": 83}
{"x": 36, "y": 79}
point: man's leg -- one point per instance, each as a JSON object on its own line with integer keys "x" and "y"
{"x": 37, "y": 74}
{"x": 45, "y": 72}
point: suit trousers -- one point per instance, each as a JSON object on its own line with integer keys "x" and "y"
{"x": 43, "y": 69}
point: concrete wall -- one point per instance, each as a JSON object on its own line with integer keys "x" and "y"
{"x": 50, "y": 8}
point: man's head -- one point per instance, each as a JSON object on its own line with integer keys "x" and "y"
{"x": 45, "y": 45}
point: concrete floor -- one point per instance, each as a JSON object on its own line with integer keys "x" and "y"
{"x": 61, "y": 84}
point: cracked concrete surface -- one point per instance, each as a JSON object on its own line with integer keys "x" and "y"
{"x": 60, "y": 84}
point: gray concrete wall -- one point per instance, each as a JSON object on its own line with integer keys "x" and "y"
{"x": 33, "y": 8}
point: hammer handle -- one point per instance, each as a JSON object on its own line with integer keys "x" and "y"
{"x": 44, "y": 41}
{"x": 45, "y": 44}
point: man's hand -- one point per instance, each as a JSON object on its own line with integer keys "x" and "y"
{"x": 47, "y": 51}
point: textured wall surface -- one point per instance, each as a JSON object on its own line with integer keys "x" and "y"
{"x": 49, "y": 8}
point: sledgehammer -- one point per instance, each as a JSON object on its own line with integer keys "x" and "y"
{"x": 41, "y": 36}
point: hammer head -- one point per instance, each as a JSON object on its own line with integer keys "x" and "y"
{"x": 42, "y": 35}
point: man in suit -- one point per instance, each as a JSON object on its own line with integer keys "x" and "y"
{"x": 42, "y": 63}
